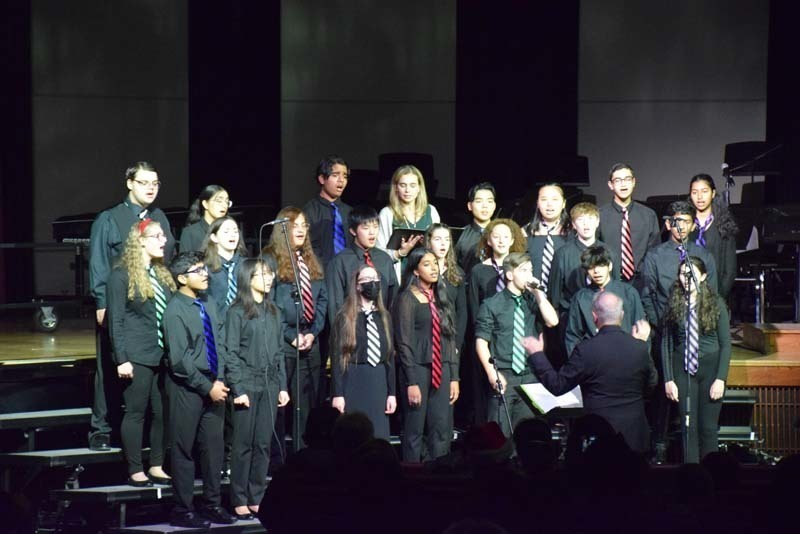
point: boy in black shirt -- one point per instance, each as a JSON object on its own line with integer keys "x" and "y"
{"x": 197, "y": 392}
{"x": 481, "y": 205}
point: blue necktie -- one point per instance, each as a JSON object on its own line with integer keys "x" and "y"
{"x": 208, "y": 332}
{"x": 338, "y": 230}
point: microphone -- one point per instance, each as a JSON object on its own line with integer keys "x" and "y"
{"x": 670, "y": 218}
{"x": 533, "y": 285}
{"x": 276, "y": 221}
{"x": 725, "y": 170}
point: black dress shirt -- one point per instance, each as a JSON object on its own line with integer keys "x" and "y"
{"x": 340, "y": 269}
{"x": 319, "y": 215}
{"x": 482, "y": 285}
{"x": 457, "y": 296}
{"x": 566, "y": 274}
{"x": 186, "y": 343}
{"x": 192, "y": 236}
{"x": 536, "y": 244}
{"x": 673, "y": 344}
{"x": 254, "y": 351}
{"x": 495, "y": 324}
{"x": 467, "y": 253}
{"x": 723, "y": 250}
{"x": 580, "y": 324}
{"x": 359, "y": 356}
{"x": 132, "y": 323}
{"x": 645, "y": 230}
{"x": 289, "y": 309}
{"x": 412, "y": 338}
{"x": 660, "y": 272}
{"x": 107, "y": 240}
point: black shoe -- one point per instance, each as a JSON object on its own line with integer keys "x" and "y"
{"x": 139, "y": 483}
{"x": 163, "y": 481}
{"x": 188, "y": 520}
{"x": 243, "y": 517}
{"x": 218, "y": 514}
{"x": 100, "y": 442}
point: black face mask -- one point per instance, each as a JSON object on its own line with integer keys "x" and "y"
{"x": 370, "y": 290}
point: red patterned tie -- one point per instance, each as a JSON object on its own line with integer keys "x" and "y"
{"x": 368, "y": 258}
{"x": 628, "y": 266}
{"x": 436, "y": 341}
{"x": 305, "y": 289}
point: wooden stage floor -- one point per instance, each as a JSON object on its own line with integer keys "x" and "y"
{"x": 20, "y": 345}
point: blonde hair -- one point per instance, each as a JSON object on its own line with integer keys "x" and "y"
{"x": 132, "y": 260}
{"x": 420, "y": 203}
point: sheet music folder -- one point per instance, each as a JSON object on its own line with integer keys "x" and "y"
{"x": 541, "y": 400}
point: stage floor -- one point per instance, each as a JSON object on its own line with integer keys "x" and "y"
{"x": 19, "y": 344}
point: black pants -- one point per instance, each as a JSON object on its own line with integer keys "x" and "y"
{"x": 107, "y": 403}
{"x": 703, "y": 433}
{"x": 196, "y": 420}
{"x": 308, "y": 397}
{"x": 252, "y": 436}
{"x": 433, "y": 418}
{"x": 518, "y": 409}
{"x": 145, "y": 389}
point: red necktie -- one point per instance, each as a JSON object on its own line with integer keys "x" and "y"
{"x": 305, "y": 289}
{"x": 368, "y": 259}
{"x": 628, "y": 266}
{"x": 436, "y": 341}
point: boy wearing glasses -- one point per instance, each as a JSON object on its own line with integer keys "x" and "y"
{"x": 107, "y": 239}
{"x": 198, "y": 365}
{"x": 628, "y": 228}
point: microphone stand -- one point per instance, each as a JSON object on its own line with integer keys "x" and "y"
{"x": 686, "y": 267}
{"x": 298, "y": 305}
{"x": 501, "y": 392}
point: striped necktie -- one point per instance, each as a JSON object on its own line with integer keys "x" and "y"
{"x": 373, "y": 340}
{"x": 338, "y": 230}
{"x": 160, "y": 301}
{"x": 501, "y": 279}
{"x": 232, "y": 286}
{"x": 547, "y": 256}
{"x": 628, "y": 266}
{"x": 208, "y": 334}
{"x": 518, "y": 353}
{"x": 305, "y": 289}
{"x": 692, "y": 343}
{"x": 436, "y": 341}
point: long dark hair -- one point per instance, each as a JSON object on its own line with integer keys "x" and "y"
{"x": 454, "y": 274}
{"x": 244, "y": 294}
{"x": 444, "y": 305}
{"x": 343, "y": 333}
{"x": 196, "y": 210}
{"x": 277, "y": 248}
{"x": 707, "y": 305}
{"x": 209, "y": 248}
{"x": 563, "y": 219}
{"x": 723, "y": 217}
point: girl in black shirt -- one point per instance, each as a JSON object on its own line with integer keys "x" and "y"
{"x": 362, "y": 361}
{"x": 224, "y": 252}
{"x": 138, "y": 290}
{"x": 424, "y": 335}
{"x": 257, "y": 380}
{"x": 211, "y": 204}
{"x": 703, "y": 376}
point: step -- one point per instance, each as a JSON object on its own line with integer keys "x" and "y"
{"x": 45, "y": 418}
{"x": 244, "y": 527}
{"x": 769, "y": 338}
{"x": 63, "y": 457}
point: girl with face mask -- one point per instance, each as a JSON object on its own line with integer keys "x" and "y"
{"x": 362, "y": 356}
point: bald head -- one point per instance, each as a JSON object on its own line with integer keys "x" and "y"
{"x": 607, "y": 309}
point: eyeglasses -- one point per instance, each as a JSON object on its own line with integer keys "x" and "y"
{"x": 156, "y": 236}
{"x": 265, "y": 273}
{"x": 301, "y": 226}
{"x": 198, "y": 270}
{"x": 156, "y": 184}
{"x": 623, "y": 180}
{"x": 222, "y": 201}
{"x": 368, "y": 280}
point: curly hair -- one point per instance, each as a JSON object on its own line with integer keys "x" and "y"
{"x": 132, "y": 260}
{"x": 520, "y": 243}
{"x": 707, "y": 305}
{"x": 278, "y": 250}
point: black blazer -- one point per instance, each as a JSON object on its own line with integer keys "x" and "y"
{"x": 614, "y": 370}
